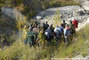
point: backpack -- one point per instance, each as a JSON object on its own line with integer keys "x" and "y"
{"x": 68, "y": 32}
{"x": 31, "y": 35}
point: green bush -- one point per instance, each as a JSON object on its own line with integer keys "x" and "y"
{"x": 16, "y": 2}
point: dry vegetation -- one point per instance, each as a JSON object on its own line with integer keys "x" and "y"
{"x": 19, "y": 51}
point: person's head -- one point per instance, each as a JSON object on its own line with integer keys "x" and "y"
{"x": 62, "y": 24}
{"x": 38, "y": 26}
{"x": 67, "y": 25}
{"x": 31, "y": 29}
{"x": 35, "y": 26}
{"x": 63, "y": 21}
{"x": 31, "y": 24}
{"x": 46, "y": 22}
{"x": 73, "y": 18}
{"x": 51, "y": 25}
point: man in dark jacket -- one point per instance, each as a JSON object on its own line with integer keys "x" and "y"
{"x": 64, "y": 24}
{"x": 46, "y": 25}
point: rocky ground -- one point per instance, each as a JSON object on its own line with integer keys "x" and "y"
{"x": 7, "y": 29}
{"x": 66, "y": 13}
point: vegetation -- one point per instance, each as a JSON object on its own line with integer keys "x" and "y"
{"x": 57, "y": 19}
{"x": 23, "y": 52}
{"x": 19, "y": 51}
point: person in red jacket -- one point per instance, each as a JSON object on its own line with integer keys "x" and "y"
{"x": 75, "y": 23}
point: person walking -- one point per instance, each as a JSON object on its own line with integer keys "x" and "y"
{"x": 67, "y": 34}
{"x": 30, "y": 37}
{"x": 75, "y": 23}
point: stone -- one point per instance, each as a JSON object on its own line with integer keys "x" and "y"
{"x": 38, "y": 17}
{"x": 78, "y": 57}
{"x": 88, "y": 20}
{"x": 86, "y": 58}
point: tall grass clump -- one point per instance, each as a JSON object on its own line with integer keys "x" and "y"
{"x": 19, "y": 51}
{"x": 79, "y": 45}
{"x": 56, "y": 18}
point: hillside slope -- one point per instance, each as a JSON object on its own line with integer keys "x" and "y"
{"x": 79, "y": 46}
{"x": 19, "y": 51}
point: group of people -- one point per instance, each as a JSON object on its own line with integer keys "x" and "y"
{"x": 63, "y": 32}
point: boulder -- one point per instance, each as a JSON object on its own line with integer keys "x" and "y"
{"x": 38, "y": 17}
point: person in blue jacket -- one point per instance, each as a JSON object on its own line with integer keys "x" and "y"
{"x": 61, "y": 27}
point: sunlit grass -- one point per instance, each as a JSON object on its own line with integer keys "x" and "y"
{"x": 20, "y": 51}
{"x": 80, "y": 45}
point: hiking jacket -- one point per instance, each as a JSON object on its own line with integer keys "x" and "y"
{"x": 48, "y": 33}
{"x": 67, "y": 31}
{"x": 30, "y": 35}
{"x": 61, "y": 29}
{"x": 46, "y": 26}
{"x": 72, "y": 26}
{"x": 56, "y": 30}
{"x": 75, "y": 22}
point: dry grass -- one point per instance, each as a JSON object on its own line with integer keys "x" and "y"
{"x": 19, "y": 51}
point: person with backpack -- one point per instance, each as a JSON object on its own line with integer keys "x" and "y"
{"x": 61, "y": 27}
{"x": 64, "y": 24}
{"x": 48, "y": 34}
{"x": 75, "y": 23}
{"x": 30, "y": 37}
{"x": 52, "y": 31}
{"x": 67, "y": 34}
{"x": 46, "y": 25}
{"x": 51, "y": 27}
{"x": 72, "y": 28}
{"x": 57, "y": 32}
